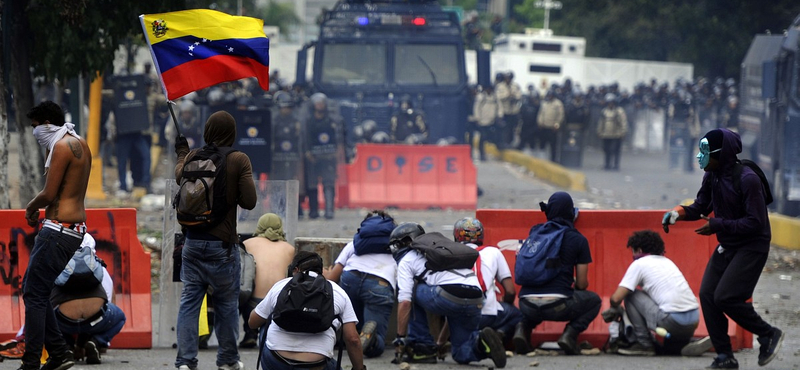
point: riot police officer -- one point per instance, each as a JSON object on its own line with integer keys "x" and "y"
{"x": 322, "y": 149}
{"x": 287, "y": 143}
{"x": 408, "y": 124}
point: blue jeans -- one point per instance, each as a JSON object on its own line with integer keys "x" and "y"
{"x": 51, "y": 252}
{"x": 463, "y": 320}
{"x": 579, "y": 310}
{"x": 372, "y": 300}
{"x": 209, "y": 263}
{"x": 135, "y": 148}
{"x": 504, "y": 321}
{"x": 110, "y": 324}
{"x": 269, "y": 361}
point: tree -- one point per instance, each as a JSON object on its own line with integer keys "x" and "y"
{"x": 5, "y": 201}
{"x": 279, "y": 14}
{"x": 60, "y": 40}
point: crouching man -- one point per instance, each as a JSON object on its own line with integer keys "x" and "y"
{"x": 290, "y": 348}
{"x": 665, "y": 301}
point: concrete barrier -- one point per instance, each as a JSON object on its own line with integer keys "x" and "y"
{"x": 542, "y": 168}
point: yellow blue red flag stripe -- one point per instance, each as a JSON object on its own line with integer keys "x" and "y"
{"x": 194, "y": 49}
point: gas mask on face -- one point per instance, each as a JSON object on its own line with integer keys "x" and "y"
{"x": 704, "y": 156}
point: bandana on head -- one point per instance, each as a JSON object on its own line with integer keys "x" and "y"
{"x": 47, "y": 135}
{"x": 270, "y": 226}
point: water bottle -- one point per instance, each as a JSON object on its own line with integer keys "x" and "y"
{"x": 613, "y": 330}
{"x": 661, "y": 332}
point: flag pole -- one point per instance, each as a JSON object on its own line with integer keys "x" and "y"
{"x": 170, "y": 103}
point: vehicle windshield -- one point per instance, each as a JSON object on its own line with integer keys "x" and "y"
{"x": 354, "y": 64}
{"x": 435, "y": 65}
{"x": 414, "y": 64}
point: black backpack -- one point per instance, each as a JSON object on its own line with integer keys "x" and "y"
{"x": 442, "y": 253}
{"x": 305, "y": 304}
{"x": 737, "y": 178}
{"x": 201, "y": 202}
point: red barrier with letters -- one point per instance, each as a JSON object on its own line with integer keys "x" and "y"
{"x": 412, "y": 177}
{"x": 117, "y": 244}
{"x": 608, "y": 232}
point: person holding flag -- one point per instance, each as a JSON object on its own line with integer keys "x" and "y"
{"x": 195, "y": 49}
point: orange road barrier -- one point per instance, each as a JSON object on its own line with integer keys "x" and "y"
{"x": 608, "y": 232}
{"x": 117, "y": 244}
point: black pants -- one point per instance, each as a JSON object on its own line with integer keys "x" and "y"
{"x": 612, "y": 148}
{"x": 579, "y": 310}
{"x": 549, "y": 137}
{"x": 729, "y": 281}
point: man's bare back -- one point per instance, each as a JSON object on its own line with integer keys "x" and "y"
{"x": 272, "y": 261}
{"x": 66, "y": 182}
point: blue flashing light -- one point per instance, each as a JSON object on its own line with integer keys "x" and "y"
{"x": 362, "y": 21}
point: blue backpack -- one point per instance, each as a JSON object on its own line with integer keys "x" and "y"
{"x": 373, "y": 235}
{"x": 538, "y": 260}
{"x": 84, "y": 270}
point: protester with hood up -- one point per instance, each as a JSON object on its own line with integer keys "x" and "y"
{"x": 207, "y": 258}
{"x": 366, "y": 270}
{"x": 563, "y": 298}
{"x": 736, "y": 196}
{"x": 272, "y": 254}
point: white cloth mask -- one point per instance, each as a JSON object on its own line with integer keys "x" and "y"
{"x": 47, "y": 135}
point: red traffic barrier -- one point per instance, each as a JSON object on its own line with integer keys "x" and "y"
{"x": 608, "y": 232}
{"x": 117, "y": 244}
{"x": 412, "y": 177}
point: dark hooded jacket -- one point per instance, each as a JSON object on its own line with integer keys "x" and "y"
{"x": 574, "y": 247}
{"x": 220, "y": 129}
{"x": 740, "y": 217}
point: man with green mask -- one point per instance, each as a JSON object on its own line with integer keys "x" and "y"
{"x": 272, "y": 254}
{"x": 742, "y": 228}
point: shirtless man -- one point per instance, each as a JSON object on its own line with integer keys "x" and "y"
{"x": 273, "y": 255}
{"x": 67, "y": 168}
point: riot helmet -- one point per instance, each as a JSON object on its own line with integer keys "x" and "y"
{"x": 401, "y": 236}
{"x": 468, "y": 230}
{"x": 380, "y": 137}
{"x": 283, "y": 100}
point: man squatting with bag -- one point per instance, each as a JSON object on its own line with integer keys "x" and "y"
{"x": 452, "y": 291}
{"x": 300, "y": 338}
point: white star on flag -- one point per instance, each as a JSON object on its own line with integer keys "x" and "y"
{"x": 230, "y": 49}
{"x": 204, "y": 40}
{"x": 197, "y": 43}
{"x": 191, "y": 47}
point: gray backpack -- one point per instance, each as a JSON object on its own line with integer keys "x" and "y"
{"x": 248, "y": 275}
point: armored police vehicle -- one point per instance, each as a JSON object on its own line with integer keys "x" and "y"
{"x": 371, "y": 54}
{"x": 769, "y": 119}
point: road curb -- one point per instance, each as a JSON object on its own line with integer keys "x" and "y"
{"x": 785, "y": 230}
{"x": 543, "y": 169}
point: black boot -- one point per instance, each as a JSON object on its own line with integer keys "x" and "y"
{"x": 330, "y": 193}
{"x": 569, "y": 341}
{"x": 521, "y": 335}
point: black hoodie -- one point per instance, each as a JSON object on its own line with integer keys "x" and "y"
{"x": 740, "y": 217}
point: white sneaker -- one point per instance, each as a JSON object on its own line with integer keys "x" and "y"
{"x": 185, "y": 367}
{"x": 697, "y": 348}
{"x": 235, "y": 366}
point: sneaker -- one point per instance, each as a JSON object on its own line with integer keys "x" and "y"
{"x": 11, "y": 343}
{"x": 491, "y": 345}
{"x": 14, "y": 352}
{"x": 724, "y": 362}
{"x": 421, "y": 354}
{"x": 769, "y": 346}
{"x": 59, "y": 362}
{"x": 238, "y": 365}
{"x": 186, "y": 367}
{"x": 248, "y": 342}
{"x": 697, "y": 348}
{"x": 91, "y": 352}
{"x": 637, "y": 350}
{"x": 367, "y": 336}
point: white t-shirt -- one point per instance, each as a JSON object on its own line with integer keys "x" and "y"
{"x": 493, "y": 268}
{"x": 321, "y": 343}
{"x": 413, "y": 264}
{"x": 378, "y": 264}
{"x": 662, "y": 281}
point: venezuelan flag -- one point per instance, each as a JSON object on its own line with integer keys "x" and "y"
{"x": 195, "y": 49}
